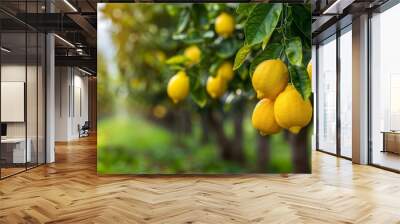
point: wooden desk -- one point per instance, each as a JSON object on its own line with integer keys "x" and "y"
{"x": 391, "y": 141}
{"x": 13, "y": 150}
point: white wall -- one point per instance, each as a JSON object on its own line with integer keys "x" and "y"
{"x": 71, "y": 102}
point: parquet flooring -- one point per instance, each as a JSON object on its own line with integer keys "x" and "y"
{"x": 69, "y": 191}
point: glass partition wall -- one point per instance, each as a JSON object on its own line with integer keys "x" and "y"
{"x": 326, "y": 89}
{"x": 22, "y": 78}
{"x": 334, "y": 90}
{"x": 385, "y": 90}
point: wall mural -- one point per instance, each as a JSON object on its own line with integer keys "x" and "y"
{"x": 204, "y": 88}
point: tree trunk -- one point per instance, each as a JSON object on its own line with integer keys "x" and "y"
{"x": 263, "y": 153}
{"x": 222, "y": 140}
{"x": 286, "y": 134}
{"x": 300, "y": 156}
{"x": 187, "y": 121}
{"x": 238, "y": 137}
{"x": 204, "y": 128}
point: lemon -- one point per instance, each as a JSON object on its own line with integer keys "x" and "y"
{"x": 309, "y": 70}
{"x": 270, "y": 78}
{"x": 159, "y": 111}
{"x": 193, "y": 53}
{"x": 161, "y": 57}
{"x": 291, "y": 110}
{"x": 178, "y": 87}
{"x": 263, "y": 118}
{"x": 224, "y": 25}
{"x": 225, "y": 70}
{"x": 216, "y": 86}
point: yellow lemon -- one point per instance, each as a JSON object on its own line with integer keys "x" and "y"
{"x": 263, "y": 118}
{"x": 135, "y": 83}
{"x": 216, "y": 86}
{"x": 225, "y": 70}
{"x": 224, "y": 25}
{"x": 291, "y": 110}
{"x": 161, "y": 57}
{"x": 178, "y": 87}
{"x": 309, "y": 70}
{"x": 270, "y": 78}
{"x": 193, "y": 53}
{"x": 159, "y": 111}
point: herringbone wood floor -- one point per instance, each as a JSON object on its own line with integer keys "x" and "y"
{"x": 69, "y": 191}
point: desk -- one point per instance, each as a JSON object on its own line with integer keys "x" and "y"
{"x": 16, "y": 147}
{"x": 391, "y": 141}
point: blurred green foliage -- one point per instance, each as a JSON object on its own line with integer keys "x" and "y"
{"x": 154, "y": 150}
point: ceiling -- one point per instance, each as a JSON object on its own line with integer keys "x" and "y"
{"x": 74, "y": 22}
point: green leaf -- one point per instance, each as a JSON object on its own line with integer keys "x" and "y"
{"x": 272, "y": 51}
{"x": 227, "y": 48}
{"x": 197, "y": 92}
{"x": 300, "y": 80}
{"x": 302, "y": 19}
{"x": 199, "y": 97}
{"x": 294, "y": 51}
{"x": 245, "y": 8}
{"x": 241, "y": 56}
{"x": 265, "y": 42}
{"x": 184, "y": 19}
{"x": 177, "y": 59}
{"x": 209, "y": 34}
{"x": 262, "y": 22}
{"x": 200, "y": 15}
{"x": 192, "y": 37}
{"x": 214, "y": 66}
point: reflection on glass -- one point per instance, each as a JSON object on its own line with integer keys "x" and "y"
{"x": 327, "y": 96}
{"x": 31, "y": 100}
{"x": 346, "y": 94}
{"x": 14, "y": 153}
{"x": 385, "y": 84}
{"x": 41, "y": 98}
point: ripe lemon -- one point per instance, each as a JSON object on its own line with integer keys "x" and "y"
{"x": 178, "y": 87}
{"x": 270, "y": 78}
{"x": 193, "y": 53}
{"x": 291, "y": 110}
{"x": 224, "y": 25}
{"x": 263, "y": 118}
{"x": 216, "y": 86}
{"x": 309, "y": 70}
{"x": 159, "y": 111}
{"x": 161, "y": 57}
{"x": 225, "y": 70}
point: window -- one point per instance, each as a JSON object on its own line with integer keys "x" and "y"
{"x": 385, "y": 89}
{"x": 327, "y": 95}
{"x": 346, "y": 92}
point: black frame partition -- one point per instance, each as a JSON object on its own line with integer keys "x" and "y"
{"x": 27, "y": 53}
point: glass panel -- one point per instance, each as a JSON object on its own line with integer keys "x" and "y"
{"x": 327, "y": 96}
{"x": 346, "y": 94}
{"x": 385, "y": 84}
{"x": 13, "y": 86}
{"x": 41, "y": 99}
{"x": 31, "y": 98}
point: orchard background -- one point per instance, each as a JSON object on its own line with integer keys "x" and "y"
{"x": 203, "y": 122}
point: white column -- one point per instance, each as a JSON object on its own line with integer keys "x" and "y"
{"x": 360, "y": 90}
